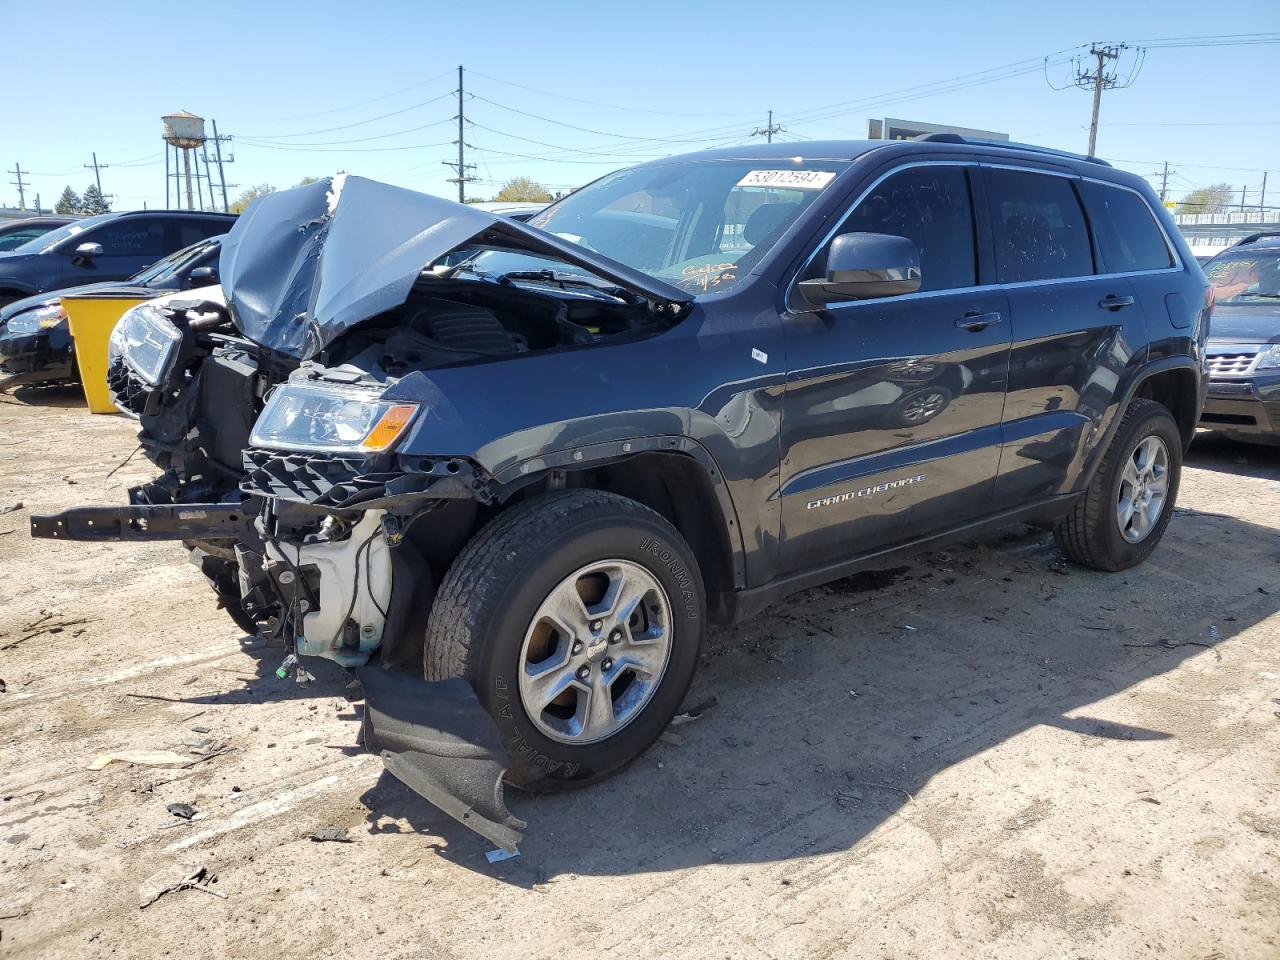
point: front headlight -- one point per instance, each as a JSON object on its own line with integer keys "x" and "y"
{"x": 307, "y": 417}
{"x": 1269, "y": 357}
{"x": 33, "y": 321}
{"x": 146, "y": 341}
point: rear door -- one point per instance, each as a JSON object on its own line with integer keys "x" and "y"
{"x": 128, "y": 245}
{"x": 892, "y": 408}
{"x": 1074, "y": 330}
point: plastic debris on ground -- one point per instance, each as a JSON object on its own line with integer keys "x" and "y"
{"x": 145, "y": 758}
{"x": 175, "y": 878}
{"x": 497, "y": 856}
{"x": 694, "y": 712}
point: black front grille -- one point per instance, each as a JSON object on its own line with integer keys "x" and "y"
{"x": 129, "y": 391}
{"x": 326, "y": 480}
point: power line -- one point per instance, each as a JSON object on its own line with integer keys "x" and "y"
{"x": 362, "y": 103}
{"x": 607, "y": 106}
{"x": 358, "y": 123}
{"x": 266, "y": 141}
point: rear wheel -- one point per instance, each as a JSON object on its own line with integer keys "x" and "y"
{"x": 577, "y": 617}
{"x": 1124, "y": 513}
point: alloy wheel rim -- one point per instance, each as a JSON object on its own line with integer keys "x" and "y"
{"x": 922, "y": 407}
{"x": 595, "y": 652}
{"x": 1144, "y": 489}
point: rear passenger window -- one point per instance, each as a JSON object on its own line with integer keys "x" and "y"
{"x": 1039, "y": 226}
{"x": 192, "y": 231}
{"x": 929, "y": 206}
{"x": 1128, "y": 236}
{"x": 130, "y": 237}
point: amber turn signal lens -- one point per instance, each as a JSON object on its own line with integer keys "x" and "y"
{"x": 389, "y": 426}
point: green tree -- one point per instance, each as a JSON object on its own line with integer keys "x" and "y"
{"x": 69, "y": 202}
{"x": 250, "y": 195}
{"x": 523, "y": 189}
{"x": 1210, "y": 199}
{"x": 94, "y": 201}
{"x": 306, "y": 181}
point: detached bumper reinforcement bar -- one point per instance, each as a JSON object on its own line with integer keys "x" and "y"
{"x": 180, "y": 521}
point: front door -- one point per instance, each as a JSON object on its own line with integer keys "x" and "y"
{"x": 892, "y": 408}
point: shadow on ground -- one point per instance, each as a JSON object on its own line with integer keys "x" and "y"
{"x": 830, "y": 719}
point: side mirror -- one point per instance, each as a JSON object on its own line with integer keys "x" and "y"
{"x": 87, "y": 251}
{"x": 865, "y": 265}
{"x": 203, "y": 276}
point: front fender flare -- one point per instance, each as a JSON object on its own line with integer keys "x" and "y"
{"x": 520, "y": 474}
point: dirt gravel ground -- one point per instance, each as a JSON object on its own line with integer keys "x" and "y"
{"x": 982, "y": 754}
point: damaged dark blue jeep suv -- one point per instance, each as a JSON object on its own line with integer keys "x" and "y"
{"x": 525, "y": 465}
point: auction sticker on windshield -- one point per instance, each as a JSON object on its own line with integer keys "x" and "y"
{"x": 794, "y": 179}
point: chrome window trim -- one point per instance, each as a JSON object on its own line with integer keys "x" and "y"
{"x": 1016, "y": 285}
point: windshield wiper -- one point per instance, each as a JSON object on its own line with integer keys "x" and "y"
{"x": 563, "y": 280}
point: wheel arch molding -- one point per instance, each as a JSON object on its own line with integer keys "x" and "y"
{"x": 673, "y": 475}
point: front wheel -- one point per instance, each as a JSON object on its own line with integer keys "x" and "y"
{"x": 577, "y": 617}
{"x": 1124, "y": 513}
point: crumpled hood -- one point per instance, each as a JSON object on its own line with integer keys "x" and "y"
{"x": 1253, "y": 323}
{"x": 303, "y": 266}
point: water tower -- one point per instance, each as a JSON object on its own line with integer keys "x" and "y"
{"x": 184, "y": 132}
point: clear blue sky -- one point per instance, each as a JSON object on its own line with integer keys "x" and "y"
{"x": 291, "y": 85}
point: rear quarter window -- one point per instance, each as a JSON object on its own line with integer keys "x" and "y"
{"x": 1040, "y": 229}
{"x": 1129, "y": 239}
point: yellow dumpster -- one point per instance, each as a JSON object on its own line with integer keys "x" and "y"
{"x": 91, "y": 319}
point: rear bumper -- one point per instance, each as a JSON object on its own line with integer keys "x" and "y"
{"x": 1246, "y": 408}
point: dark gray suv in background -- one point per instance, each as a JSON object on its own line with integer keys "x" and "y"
{"x": 532, "y": 461}
{"x": 109, "y": 246}
{"x": 1244, "y": 344}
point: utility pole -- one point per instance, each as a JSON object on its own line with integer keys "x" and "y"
{"x": 95, "y": 167}
{"x": 769, "y": 129}
{"x": 1164, "y": 181}
{"x": 1100, "y": 80}
{"x": 217, "y": 148}
{"x": 461, "y": 166}
{"x": 22, "y": 196}
{"x": 1242, "y": 187}
{"x": 1262, "y": 198}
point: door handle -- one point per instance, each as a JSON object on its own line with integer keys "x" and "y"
{"x": 974, "y": 321}
{"x": 1112, "y": 302}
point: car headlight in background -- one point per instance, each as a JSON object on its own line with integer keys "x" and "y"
{"x": 306, "y": 417}
{"x": 33, "y": 321}
{"x": 146, "y": 341}
{"x": 1269, "y": 357}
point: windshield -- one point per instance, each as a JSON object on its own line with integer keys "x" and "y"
{"x": 165, "y": 269}
{"x": 1245, "y": 276}
{"x": 54, "y": 237}
{"x": 699, "y": 225}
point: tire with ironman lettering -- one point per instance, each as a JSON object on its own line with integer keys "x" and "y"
{"x": 577, "y": 616}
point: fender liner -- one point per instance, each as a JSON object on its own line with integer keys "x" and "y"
{"x": 517, "y": 475}
{"x": 1145, "y": 373}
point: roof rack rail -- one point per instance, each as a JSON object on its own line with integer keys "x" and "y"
{"x": 1255, "y": 237}
{"x": 1008, "y": 145}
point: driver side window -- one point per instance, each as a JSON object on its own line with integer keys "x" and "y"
{"x": 930, "y": 206}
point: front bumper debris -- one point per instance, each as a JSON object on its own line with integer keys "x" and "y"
{"x": 440, "y": 742}
{"x": 170, "y": 521}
